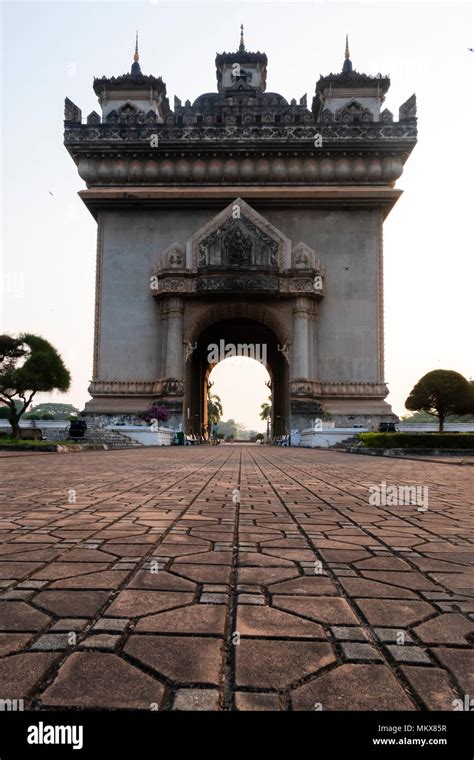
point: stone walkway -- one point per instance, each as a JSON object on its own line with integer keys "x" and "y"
{"x": 136, "y": 579}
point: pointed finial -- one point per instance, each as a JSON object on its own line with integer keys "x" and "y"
{"x": 136, "y": 57}
{"x": 242, "y": 43}
{"x": 347, "y": 65}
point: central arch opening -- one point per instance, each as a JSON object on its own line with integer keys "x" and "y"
{"x": 241, "y": 385}
{"x": 232, "y": 339}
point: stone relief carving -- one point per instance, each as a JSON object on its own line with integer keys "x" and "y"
{"x": 172, "y": 257}
{"x": 237, "y": 283}
{"x": 172, "y": 386}
{"x": 353, "y": 113}
{"x": 188, "y": 350}
{"x": 238, "y": 243}
{"x": 168, "y": 284}
{"x": 252, "y": 238}
{"x": 304, "y": 257}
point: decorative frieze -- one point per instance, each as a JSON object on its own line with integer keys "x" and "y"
{"x": 325, "y": 389}
{"x": 163, "y": 169}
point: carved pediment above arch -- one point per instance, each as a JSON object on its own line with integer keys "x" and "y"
{"x": 239, "y": 238}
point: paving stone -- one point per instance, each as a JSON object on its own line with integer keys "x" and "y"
{"x": 353, "y": 687}
{"x": 95, "y": 680}
{"x": 392, "y": 635}
{"x": 161, "y": 581}
{"x": 251, "y": 599}
{"x": 181, "y": 659}
{"x": 131, "y": 604}
{"x": 16, "y": 594}
{"x": 445, "y": 629}
{"x": 263, "y": 576}
{"x": 460, "y": 662}
{"x": 310, "y": 585}
{"x": 196, "y": 699}
{"x": 347, "y": 633}
{"x": 100, "y": 641}
{"x": 69, "y": 603}
{"x": 52, "y": 642}
{"x": 70, "y": 624}
{"x": 254, "y": 702}
{"x": 110, "y": 625}
{"x": 432, "y": 686}
{"x": 19, "y": 616}
{"x": 197, "y": 618}
{"x": 278, "y": 664}
{"x": 265, "y": 621}
{"x": 356, "y": 652}
{"x": 408, "y": 653}
{"x": 332, "y": 610}
{"x": 13, "y": 642}
{"x": 392, "y": 612}
{"x": 213, "y": 598}
{"x": 21, "y": 673}
{"x": 361, "y": 587}
{"x": 30, "y": 584}
{"x": 203, "y": 573}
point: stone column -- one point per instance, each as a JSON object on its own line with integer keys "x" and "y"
{"x": 313, "y": 343}
{"x": 300, "y": 347}
{"x": 174, "y": 343}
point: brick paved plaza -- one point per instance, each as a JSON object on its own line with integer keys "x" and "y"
{"x": 135, "y": 580}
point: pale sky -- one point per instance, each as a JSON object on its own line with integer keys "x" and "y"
{"x": 51, "y": 50}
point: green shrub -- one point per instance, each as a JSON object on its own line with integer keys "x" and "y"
{"x": 5, "y": 434}
{"x": 418, "y": 440}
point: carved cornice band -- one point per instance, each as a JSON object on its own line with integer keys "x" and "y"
{"x": 160, "y": 170}
{"x": 312, "y": 388}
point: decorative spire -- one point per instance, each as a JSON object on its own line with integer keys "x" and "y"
{"x": 136, "y": 70}
{"x": 347, "y": 67}
{"x": 136, "y": 57}
{"x": 242, "y": 43}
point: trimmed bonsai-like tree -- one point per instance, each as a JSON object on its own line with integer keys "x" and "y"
{"x": 28, "y": 365}
{"x": 439, "y": 393}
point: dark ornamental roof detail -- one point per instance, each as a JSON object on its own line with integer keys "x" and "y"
{"x": 352, "y": 79}
{"x": 129, "y": 82}
{"x": 241, "y": 56}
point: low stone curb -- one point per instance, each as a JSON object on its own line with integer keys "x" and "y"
{"x": 410, "y": 453}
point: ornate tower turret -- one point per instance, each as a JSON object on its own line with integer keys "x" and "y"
{"x": 132, "y": 93}
{"x": 350, "y": 97}
{"x": 241, "y": 70}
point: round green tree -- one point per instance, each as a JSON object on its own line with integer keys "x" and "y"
{"x": 439, "y": 393}
{"x": 28, "y": 365}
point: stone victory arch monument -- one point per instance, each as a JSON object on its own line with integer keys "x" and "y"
{"x": 241, "y": 217}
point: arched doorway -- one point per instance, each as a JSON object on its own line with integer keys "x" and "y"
{"x": 235, "y": 336}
